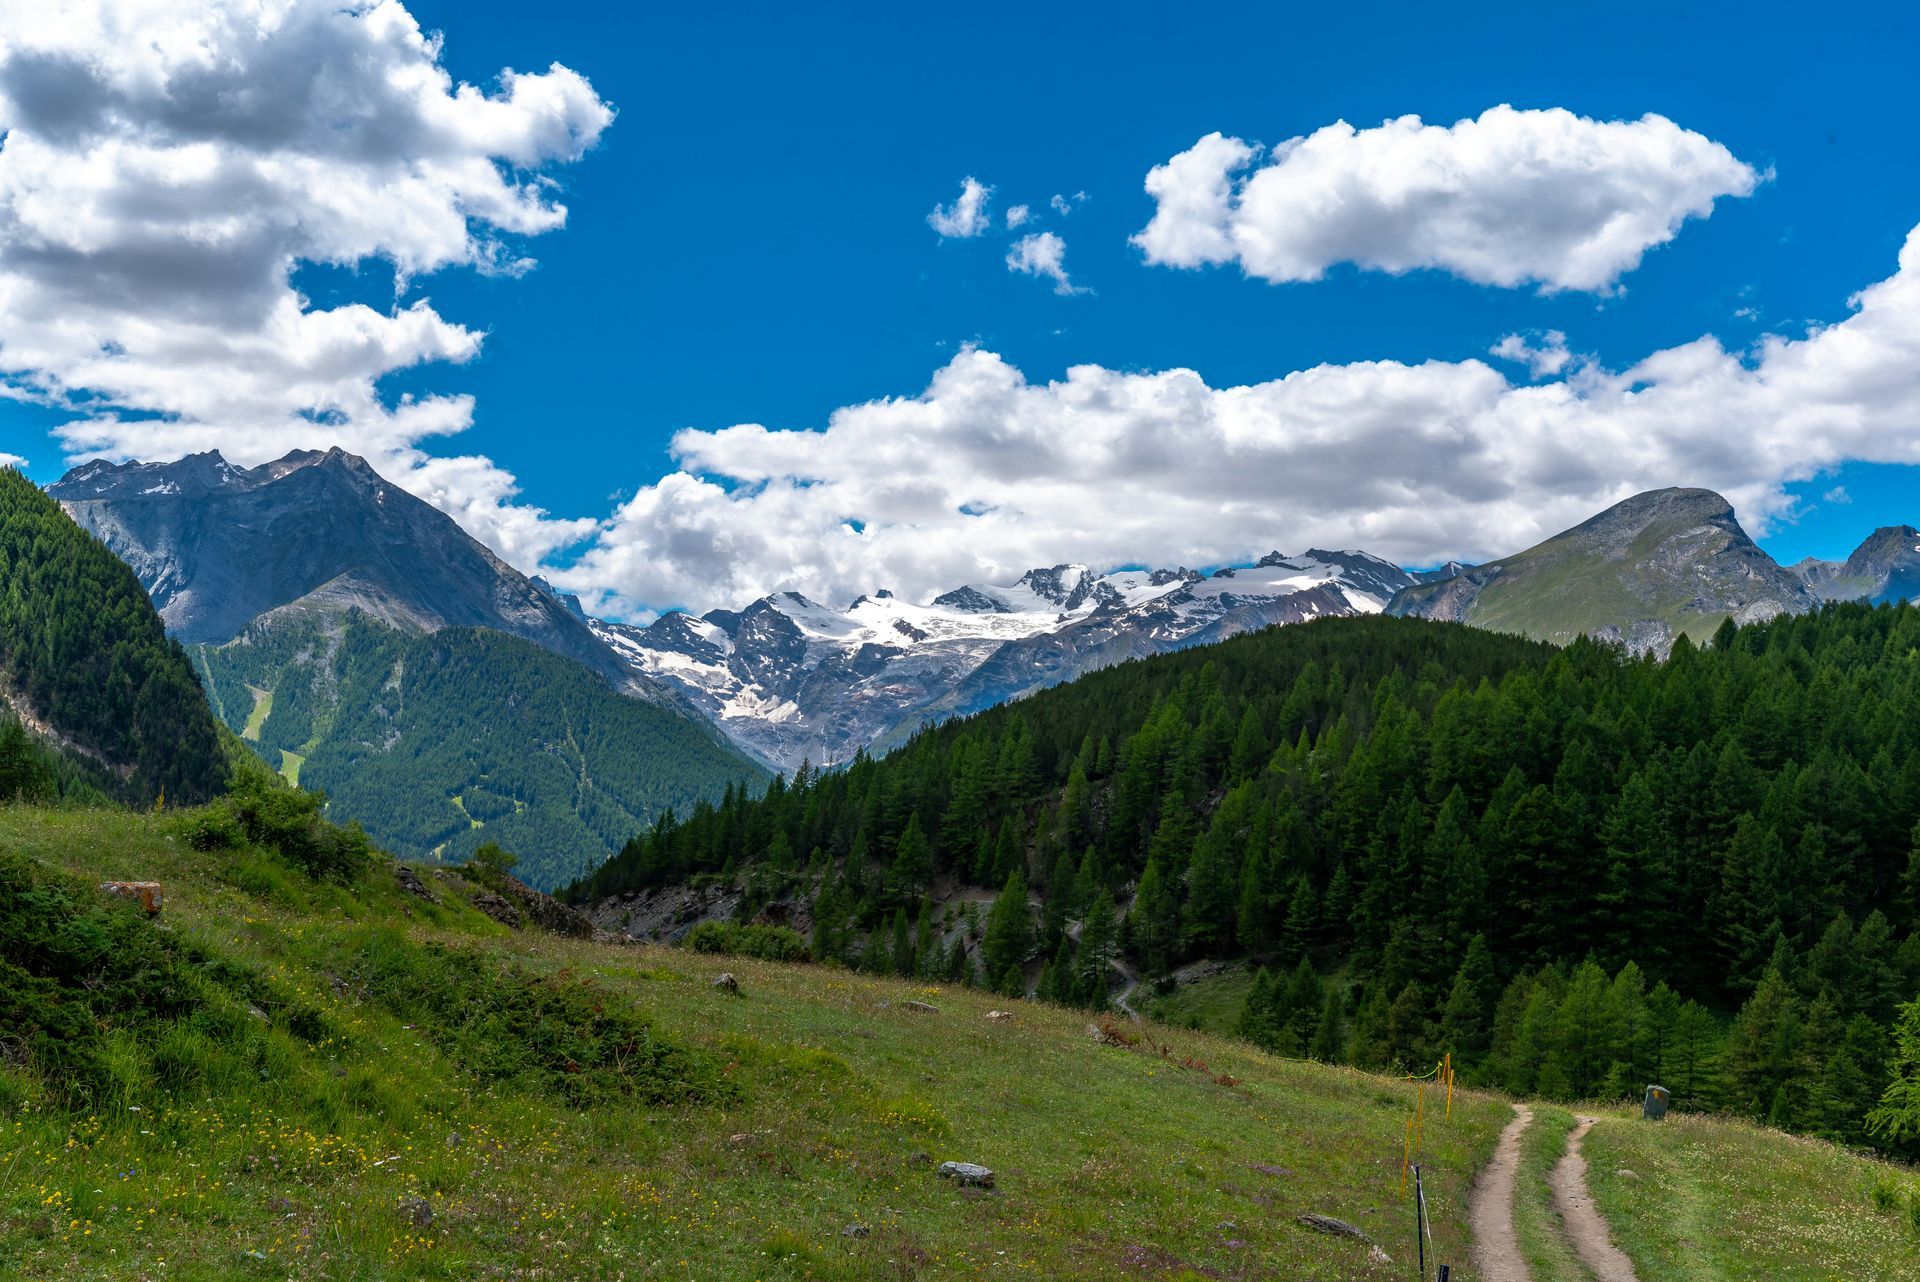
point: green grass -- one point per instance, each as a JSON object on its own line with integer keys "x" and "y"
{"x": 384, "y": 1087}
{"x": 1712, "y": 1200}
{"x": 290, "y": 763}
{"x": 830, "y": 1102}
{"x": 257, "y": 717}
{"x": 1212, "y": 1004}
{"x": 1536, "y": 1223}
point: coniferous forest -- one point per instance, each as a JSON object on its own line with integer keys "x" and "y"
{"x": 83, "y": 653}
{"x": 1576, "y": 871}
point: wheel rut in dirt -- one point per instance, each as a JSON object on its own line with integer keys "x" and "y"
{"x": 1496, "y": 1251}
{"x": 1586, "y": 1228}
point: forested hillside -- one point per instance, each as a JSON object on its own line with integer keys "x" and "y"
{"x": 85, "y": 663}
{"x": 440, "y": 742}
{"x": 1574, "y": 870}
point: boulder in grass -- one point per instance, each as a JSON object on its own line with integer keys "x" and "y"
{"x": 145, "y": 893}
{"x": 921, "y": 1008}
{"x": 967, "y": 1174}
{"x": 726, "y": 983}
{"x": 1327, "y": 1224}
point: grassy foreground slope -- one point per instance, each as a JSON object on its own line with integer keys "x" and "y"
{"x": 367, "y": 1135}
{"x": 372, "y": 1085}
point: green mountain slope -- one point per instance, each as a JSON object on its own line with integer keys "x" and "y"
{"x": 85, "y": 664}
{"x": 437, "y": 743}
{"x": 1659, "y": 565}
{"x": 353, "y": 1080}
{"x": 1575, "y": 870}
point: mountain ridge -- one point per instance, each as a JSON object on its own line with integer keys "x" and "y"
{"x": 218, "y": 546}
{"x": 790, "y": 679}
{"x": 1642, "y": 572}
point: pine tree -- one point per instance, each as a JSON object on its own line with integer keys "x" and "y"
{"x": 1256, "y": 1013}
{"x": 1009, "y": 936}
{"x": 1156, "y": 920}
{"x": 1093, "y": 959}
{"x": 912, "y": 862}
{"x": 1763, "y": 1046}
{"x": 1329, "y": 1045}
{"x": 1466, "y": 1021}
{"x": 902, "y": 952}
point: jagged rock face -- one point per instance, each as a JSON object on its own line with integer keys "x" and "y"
{"x": 218, "y": 546}
{"x": 790, "y": 680}
{"x": 1642, "y": 572}
{"x": 1885, "y": 568}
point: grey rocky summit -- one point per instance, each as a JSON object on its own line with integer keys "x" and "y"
{"x": 1643, "y": 572}
{"x": 218, "y": 546}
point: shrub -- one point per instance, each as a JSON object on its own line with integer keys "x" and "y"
{"x": 86, "y": 977}
{"x": 557, "y": 1032}
{"x": 768, "y": 943}
{"x": 289, "y": 820}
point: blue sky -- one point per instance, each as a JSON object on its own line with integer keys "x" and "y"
{"x": 748, "y": 242}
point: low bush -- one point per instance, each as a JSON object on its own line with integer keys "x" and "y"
{"x": 729, "y": 939}
{"x": 559, "y": 1033}
{"x": 266, "y": 812}
{"x": 86, "y": 980}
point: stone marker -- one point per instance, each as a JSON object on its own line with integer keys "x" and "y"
{"x": 1654, "y": 1107}
{"x": 967, "y": 1173}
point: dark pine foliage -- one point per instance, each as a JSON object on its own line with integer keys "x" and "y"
{"x": 1572, "y": 868}
{"x": 83, "y": 650}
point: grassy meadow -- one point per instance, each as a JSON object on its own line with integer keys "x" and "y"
{"x": 375, "y": 1086}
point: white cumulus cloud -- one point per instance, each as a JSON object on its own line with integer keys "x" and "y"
{"x": 1510, "y": 198}
{"x": 166, "y": 168}
{"x": 1018, "y": 216}
{"x": 1043, "y": 254}
{"x": 1543, "y": 360}
{"x": 967, "y": 216}
{"x": 987, "y": 473}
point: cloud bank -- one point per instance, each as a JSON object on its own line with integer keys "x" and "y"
{"x": 166, "y": 167}
{"x": 1510, "y": 198}
{"x": 986, "y": 473}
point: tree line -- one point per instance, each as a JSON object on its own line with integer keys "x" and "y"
{"x": 83, "y": 652}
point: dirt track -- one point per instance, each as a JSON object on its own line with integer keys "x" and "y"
{"x": 1496, "y": 1252}
{"x": 1585, "y": 1227}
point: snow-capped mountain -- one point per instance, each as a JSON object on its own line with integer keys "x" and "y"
{"x": 790, "y": 680}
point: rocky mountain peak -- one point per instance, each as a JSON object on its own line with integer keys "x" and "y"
{"x": 1642, "y": 572}
{"x": 218, "y": 546}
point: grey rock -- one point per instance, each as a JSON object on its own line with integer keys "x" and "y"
{"x": 856, "y": 1230}
{"x": 1328, "y": 1224}
{"x": 967, "y": 1173}
{"x": 418, "y": 1210}
{"x": 497, "y": 908}
{"x": 726, "y": 983}
{"x": 1885, "y": 568}
{"x": 920, "y": 1008}
{"x": 410, "y": 882}
{"x": 217, "y": 546}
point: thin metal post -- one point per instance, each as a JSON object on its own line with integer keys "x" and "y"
{"x": 1420, "y": 1221}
